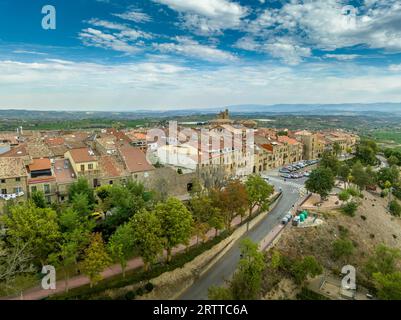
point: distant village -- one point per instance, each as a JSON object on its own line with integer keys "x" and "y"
{"x": 50, "y": 161}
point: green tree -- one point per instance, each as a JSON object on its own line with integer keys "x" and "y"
{"x": 219, "y": 293}
{"x": 15, "y": 260}
{"x": 321, "y": 181}
{"x": 359, "y": 176}
{"x": 344, "y": 172}
{"x": 366, "y": 152}
{"x": 391, "y": 175}
{"x": 81, "y": 187}
{"x": 38, "y": 198}
{"x": 96, "y": 259}
{"x": 80, "y": 204}
{"x": 330, "y": 161}
{"x": 177, "y": 224}
{"x": 247, "y": 280}
{"x": 205, "y": 214}
{"x": 121, "y": 245}
{"x": 393, "y": 161}
{"x": 232, "y": 201}
{"x": 147, "y": 236}
{"x": 342, "y": 248}
{"x": 307, "y": 267}
{"x": 36, "y": 226}
{"x": 388, "y": 285}
{"x": 122, "y": 202}
{"x": 259, "y": 192}
{"x": 337, "y": 149}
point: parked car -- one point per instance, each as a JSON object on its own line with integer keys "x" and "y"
{"x": 295, "y": 221}
{"x": 306, "y": 174}
{"x": 288, "y": 216}
{"x": 286, "y": 175}
{"x": 284, "y": 170}
{"x": 284, "y": 221}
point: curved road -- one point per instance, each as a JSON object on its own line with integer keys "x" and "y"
{"x": 227, "y": 265}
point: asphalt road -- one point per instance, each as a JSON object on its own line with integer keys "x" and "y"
{"x": 226, "y": 266}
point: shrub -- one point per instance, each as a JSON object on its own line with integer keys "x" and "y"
{"x": 350, "y": 208}
{"x": 343, "y": 231}
{"x": 397, "y": 192}
{"x": 384, "y": 193}
{"x": 342, "y": 248}
{"x": 344, "y": 195}
{"x": 395, "y": 208}
{"x": 149, "y": 287}
{"x": 130, "y": 295}
{"x": 353, "y": 191}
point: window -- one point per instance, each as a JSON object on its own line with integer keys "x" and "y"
{"x": 17, "y": 190}
{"x": 90, "y": 166}
{"x": 48, "y": 199}
{"x": 47, "y": 188}
{"x": 3, "y": 191}
{"x": 34, "y": 188}
{"x": 3, "y": 180}
{"x": 18, "y": 179}
{"x": 111, "y": 182}
{"x": 82, "y": 167}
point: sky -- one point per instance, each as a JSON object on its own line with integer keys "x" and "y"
{"x": 125, "y": 55}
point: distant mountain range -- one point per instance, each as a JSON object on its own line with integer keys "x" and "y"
{"x": 374, "y": 109}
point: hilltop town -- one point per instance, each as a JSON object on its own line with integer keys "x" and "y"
{"x": 50, "y": 161}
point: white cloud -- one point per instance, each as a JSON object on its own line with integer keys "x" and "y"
{"x": 96, "y": 38}
{"x": 191, "y": 48}
{"x": 342, "y": 57}
{"x": 395, "y": 67}
{"x": 286, "y": 50}
{"x": 208, "y": 16}
{"x": 89, "y": 86}
{"x": 118, "y": 37}
{"x": 283, "y": 48}
{"x": 328, "y": 25}
{"x": 134, "y": 15}
{"x": 107, "y": 24}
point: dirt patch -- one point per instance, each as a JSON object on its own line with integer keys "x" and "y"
{"x": 284, "y": 290}
{"x": 372, "y": 225}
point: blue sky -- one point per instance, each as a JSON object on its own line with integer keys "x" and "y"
{"x": 169, "y": 54}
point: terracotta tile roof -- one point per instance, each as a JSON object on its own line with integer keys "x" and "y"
{"x": 54, "y": 141}
{"x": 20, "y": 151}
{"x": 40, "y": 164}
{"x": 134, "y": 159}
{"x": 38, "y": 149}
{"x": 285, "y": 139}
{"x": 109, "y": 167}
{"x": 82, "y": 155}
{"x": 12, "y": 168}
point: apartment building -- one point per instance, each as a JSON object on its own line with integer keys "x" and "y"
{"x": 41, "y": 178}
{"x": 65, "y": 176}
{"x": 313, "y": 144}
{"x": 13, "y": 180}
{"x": 84, "y": 164}
{"x": 135, "y": 162}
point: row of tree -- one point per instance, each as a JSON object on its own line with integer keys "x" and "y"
{"x": 134, "y": 223}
